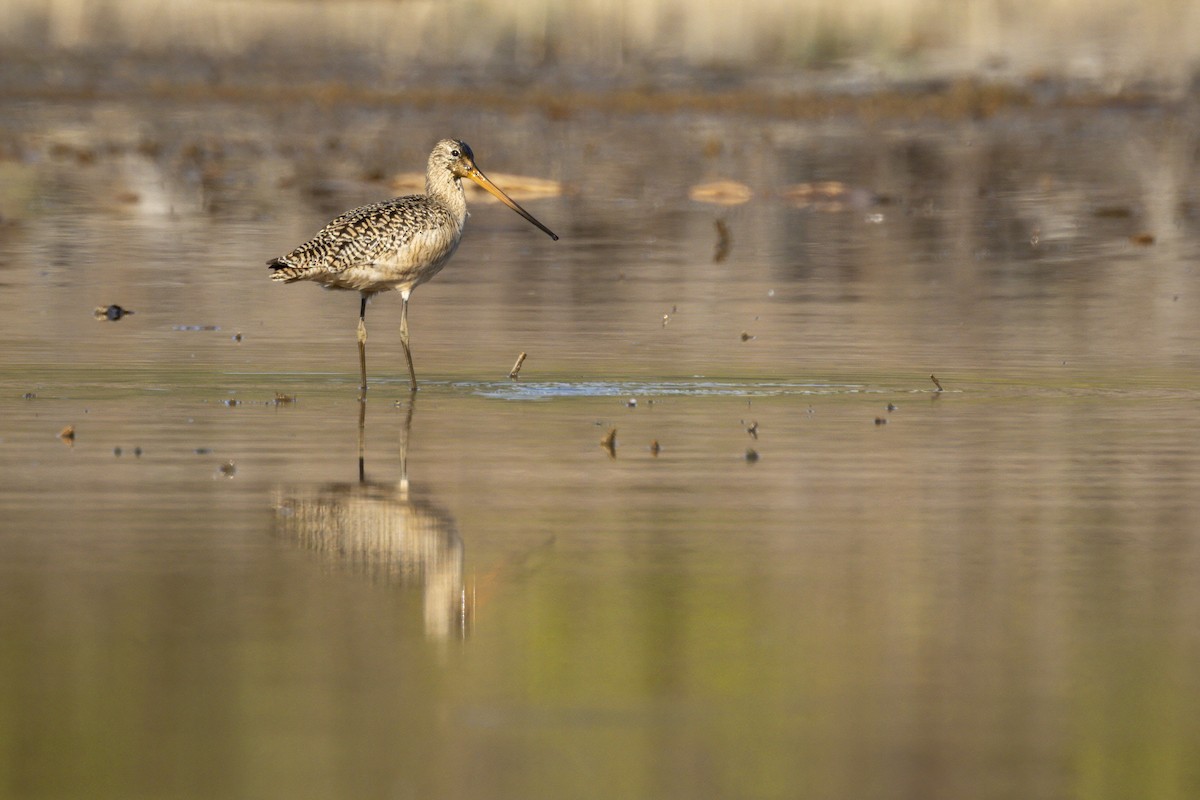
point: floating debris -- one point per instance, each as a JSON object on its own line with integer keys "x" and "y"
{"x": 631, "y": 402}
{"x": 654, "y": 448}
{"x": 237, "y": 337}
{"x": 724, "y": 242}
{"x": 721, "y": 193}
{"x": 282, "y": 399}
{"x": 230, "y": 402}
{"x": 751, "y": 455}
{"x": 1144, "y": 239}
{"x": 226, "y": 470}
{"x": 892, "y": 406}
{"x": 111, "y": 313}
{"x": 29, "y": 396}
{"x": 746, "y": 337}
{"x": 666, "y": 319}
{"x": 202, "y": 451}
{"x": 828, "y": 196}
{"x": 881, "y": 421}
{"x": 936, "y": 382}
{"x": 137, "y": 452}
{"x": 67, "y": 434}
{"x": 117, "y": 452}
{"x": 1113, "y": 212}
{"x": 609, "y": 442}
{"x": 515, "y": 372}
{"x": 753, "y": 430}
{"x": 196, "y": 327}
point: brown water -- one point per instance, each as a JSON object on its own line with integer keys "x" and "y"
{"x": 990, "y": 591}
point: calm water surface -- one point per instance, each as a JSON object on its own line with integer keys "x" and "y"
{"x": 231, "y": 584}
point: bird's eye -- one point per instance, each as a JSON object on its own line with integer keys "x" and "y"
{"x": 455, "y": 153}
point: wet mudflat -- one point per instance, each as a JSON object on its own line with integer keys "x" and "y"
{"x": 985, "y": 591}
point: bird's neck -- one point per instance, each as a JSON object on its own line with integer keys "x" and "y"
{"x": 447, "y": 190}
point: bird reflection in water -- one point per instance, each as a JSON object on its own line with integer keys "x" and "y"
{"x": 386, "y": 532}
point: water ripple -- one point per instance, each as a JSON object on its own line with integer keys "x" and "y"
{"x": 553, "y": 390}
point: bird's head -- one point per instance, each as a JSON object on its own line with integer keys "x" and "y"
{"x": 455, "y": 156}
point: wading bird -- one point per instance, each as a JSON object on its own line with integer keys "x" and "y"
{"x": 397, "y": 244}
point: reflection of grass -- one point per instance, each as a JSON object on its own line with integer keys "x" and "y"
{"x": 951, "y": 100}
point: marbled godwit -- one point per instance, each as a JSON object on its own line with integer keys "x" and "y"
{"x": 397, "y": 244}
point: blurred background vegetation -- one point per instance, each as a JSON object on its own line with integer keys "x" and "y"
{"x": 1110, "y": 45}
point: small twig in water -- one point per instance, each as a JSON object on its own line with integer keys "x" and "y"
{"x": 609, "y": 442}
{"x": 936, "y": 382}
{"x": 724, "y": 242}
{"x": 515, "y": 371}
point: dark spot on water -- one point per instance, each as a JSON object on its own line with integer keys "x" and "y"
{"x": 112, "y": 313}
{"x": 751, "y": 455}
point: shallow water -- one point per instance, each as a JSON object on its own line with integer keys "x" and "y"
{"x": 985, "y": 591}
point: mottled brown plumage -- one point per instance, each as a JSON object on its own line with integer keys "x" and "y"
{"x": 397, "y": 244}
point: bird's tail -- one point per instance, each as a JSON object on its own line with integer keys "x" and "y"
{"x": 284, "y": 270}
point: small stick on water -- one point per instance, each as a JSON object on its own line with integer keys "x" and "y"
{"x": 936, "y": 382}
{"x": 609, "y": 442}
{"x": 516, "y": 370}
{"x": 724, "y": 242}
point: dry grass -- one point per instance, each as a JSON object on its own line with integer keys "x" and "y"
{"x": 1100, "y": 40}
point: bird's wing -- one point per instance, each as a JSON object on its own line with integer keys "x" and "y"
{"x": 368, "y": 235}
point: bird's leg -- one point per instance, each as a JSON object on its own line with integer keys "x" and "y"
{"x": 404, "y": 434}
{"x": 362, "y": 348}
{"x": 412, "y": 373}
{"x": 362, "y": 441}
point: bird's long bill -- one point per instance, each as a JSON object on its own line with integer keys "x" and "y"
{"x": 476, "y": 175}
